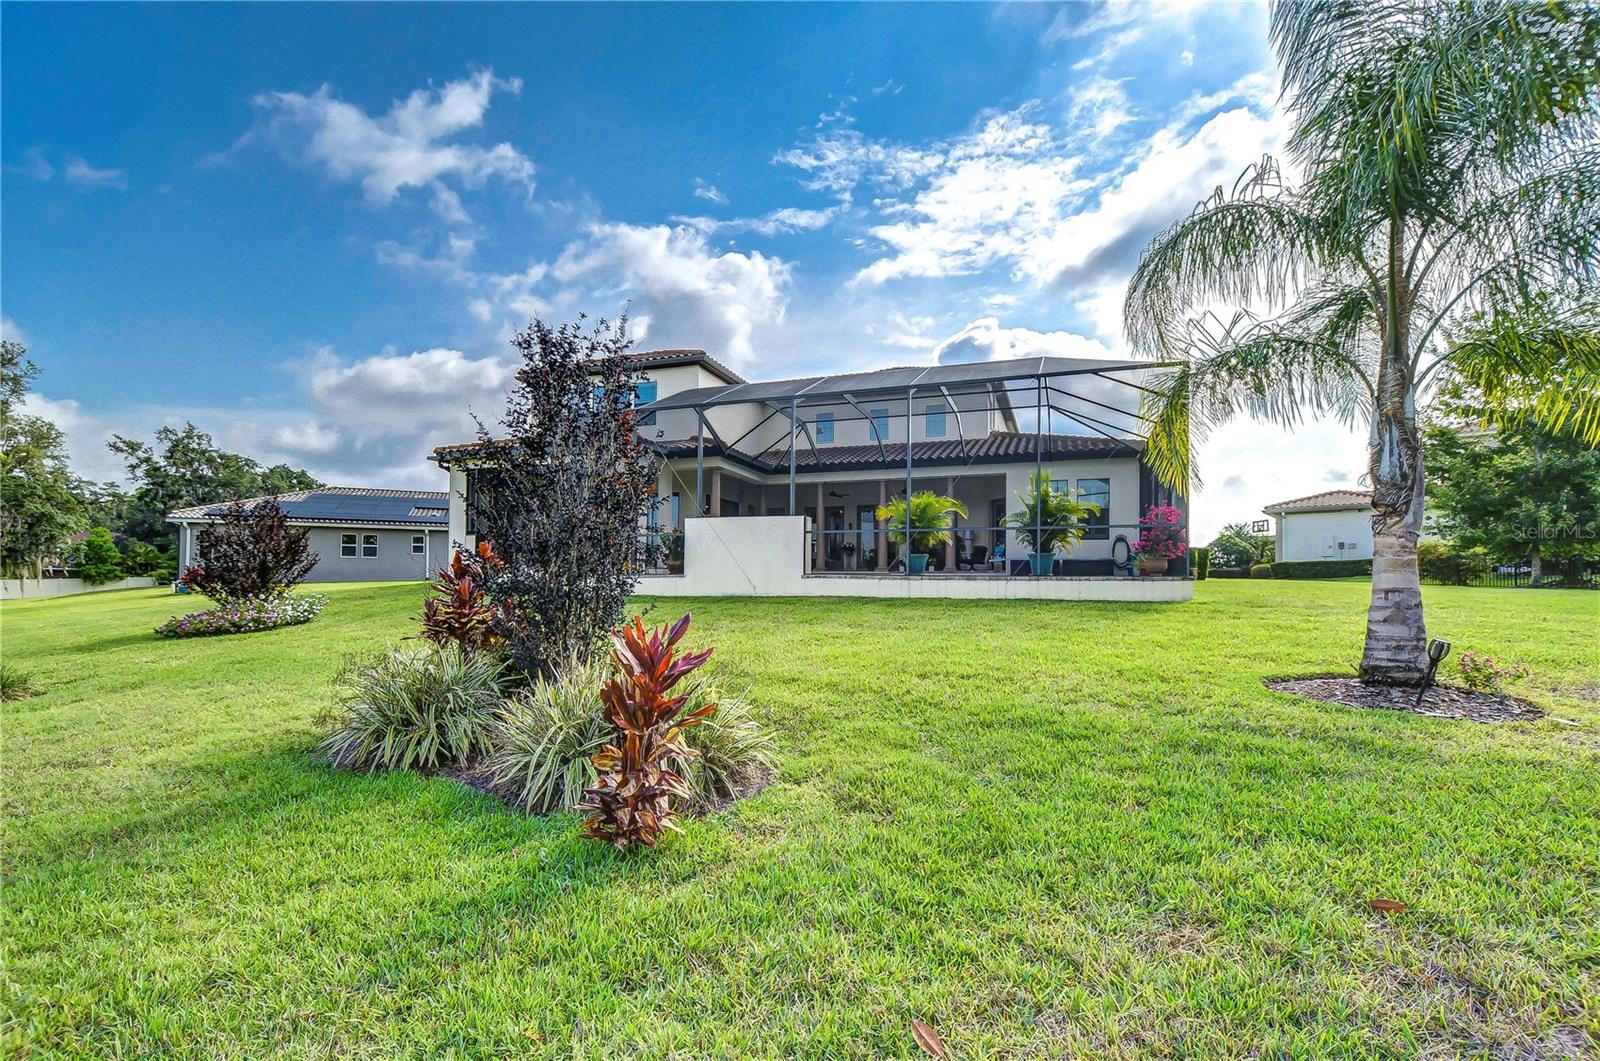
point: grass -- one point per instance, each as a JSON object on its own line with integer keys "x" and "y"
{"x": 1048, "y": 829}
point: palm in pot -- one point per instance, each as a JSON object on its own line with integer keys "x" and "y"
{"x": 1049, "y": 519}
{"x": 930, "y": 525}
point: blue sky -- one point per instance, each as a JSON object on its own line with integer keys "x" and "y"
{"x": 311, "y": 228}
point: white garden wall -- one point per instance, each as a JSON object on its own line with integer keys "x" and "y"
{"x": 29, "y": 588}
{"x": 765, "y": 556}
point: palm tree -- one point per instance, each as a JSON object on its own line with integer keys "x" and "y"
{"x": 1446, "y": 223}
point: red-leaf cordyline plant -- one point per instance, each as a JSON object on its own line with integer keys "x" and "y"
{"x": 460, "y": 611}
{"x": 632, "y": 800}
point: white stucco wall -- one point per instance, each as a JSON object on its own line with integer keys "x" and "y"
{"x": 1317, "y": 535}
{"x": 29, "y": 588}
{"x": 765, "y": 556}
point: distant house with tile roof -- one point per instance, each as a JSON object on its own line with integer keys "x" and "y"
{"x": 359, "y": 534}
{"x": 1331, "y": 525}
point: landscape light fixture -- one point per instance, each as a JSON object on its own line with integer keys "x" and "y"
{"x": 1437, "y": 650}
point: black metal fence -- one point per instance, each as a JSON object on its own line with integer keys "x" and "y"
{"x": 1573, "y": 573}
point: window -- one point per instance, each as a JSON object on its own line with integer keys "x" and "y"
{"x": 347, "y": 545}
{"x": 824, "y": 427}
{"x": 935, "y": 424}
{"x": 369, "y": 546}
{"x": 419, "y": 545}
{"x": 1098, "y": 492}
{"x": 880, "y": 425}
{"x": 644, "y": 392}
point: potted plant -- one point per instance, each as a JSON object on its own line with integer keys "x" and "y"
{"x": 672, "y": 551}
{"x": 1049, "y": 519}
{"x": 930, "y": 525}
{"x": 1161, "y": 539}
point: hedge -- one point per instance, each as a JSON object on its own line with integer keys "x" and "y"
{"x": 1321, "y": 568}
{"x": 1228, "y": 572}
{"x": 1200, "y": 562}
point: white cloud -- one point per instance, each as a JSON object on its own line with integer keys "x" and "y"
{"x": 990, "y": 192}
{"x": 411, "y": 146}
{"x": 708, "y": 192}
{"x": 10, "y": 330}
{"x": 778, "y": 222}
{"x": 80, "y": 174}
{"x": 985, "y": 339}
{"x": 1099, "y": 107}
{"x": 34, "y": 165}
{"x": 1246, "y": 465}
{"x": 682, "y": 291}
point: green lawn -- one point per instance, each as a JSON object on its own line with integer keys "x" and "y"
{"x": 1049, "y": 829}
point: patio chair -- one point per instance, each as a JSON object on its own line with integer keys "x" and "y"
{"x": 977, "y": 560}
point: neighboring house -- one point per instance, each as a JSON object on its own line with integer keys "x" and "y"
{"x": 1332, "y": 525}
{"x": 358, "y": 534}
{"x": 825, "y": 451}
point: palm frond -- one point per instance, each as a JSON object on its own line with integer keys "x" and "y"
{"x": 1253, "y": 244}
{"x": 1280, "y": 371}
{"x": 1542, "y": 360}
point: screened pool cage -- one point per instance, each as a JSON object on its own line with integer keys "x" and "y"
{"x": 1051, "y": 409}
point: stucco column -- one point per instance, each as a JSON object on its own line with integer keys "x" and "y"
{"x": 716, "y": 492}
{"x": 950, "y": 546}
{"x": 883, "y": 539}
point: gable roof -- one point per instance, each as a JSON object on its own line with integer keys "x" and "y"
{"x": 346, "y": 506}
{"x": 1327, "y": 501}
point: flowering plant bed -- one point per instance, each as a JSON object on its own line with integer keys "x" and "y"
{"x": 246, "y": 616}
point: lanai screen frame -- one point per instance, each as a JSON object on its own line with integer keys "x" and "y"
{"x": 788, "y": 397}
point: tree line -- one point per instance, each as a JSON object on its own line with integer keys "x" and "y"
{"x": 54, "y": 517}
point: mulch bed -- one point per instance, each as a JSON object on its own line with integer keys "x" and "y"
{"x": 478, "y": 776}
{"x": 1440, "y": 701}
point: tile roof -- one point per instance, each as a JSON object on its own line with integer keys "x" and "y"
{"x": 998, "y": 447}
{"x": 1328, "y": 500}
{"x": 668, "y": 358}
{"x": 345, "y": 505}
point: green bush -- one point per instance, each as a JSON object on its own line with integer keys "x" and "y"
{"x": 14, "y": 684}
{"x": 545, "y": 735}
{"x": 1261, "y": 571}
{"x": 1442, "y": 563}
{"x": 146, "y": 561}
{"x": 98, "y": 559}
{"x": 1321, "y": 568}
{"x": 1228, "y": 572}
{"x": 416, "y": 707}
{"x": 1201, "y": 561}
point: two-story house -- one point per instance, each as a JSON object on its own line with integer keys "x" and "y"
{"x": 776, "y": 484}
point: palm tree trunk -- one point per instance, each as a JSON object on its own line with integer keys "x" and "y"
{"x": 1396, "y": 651}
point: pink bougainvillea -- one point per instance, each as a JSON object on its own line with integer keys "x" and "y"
{"x": 1161, "y": 533}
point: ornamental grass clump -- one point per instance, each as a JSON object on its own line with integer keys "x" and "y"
{"x": 246, "y": 615}
{"x": 14, "y": 683}
{"x": 414, "y": 708}
{"x": 546, "y": 735}
{"x": 732, "y": 752}
{"x": 631, "y": 802}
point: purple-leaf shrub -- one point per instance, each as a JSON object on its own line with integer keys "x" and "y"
{"x": 563, "y": 494}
